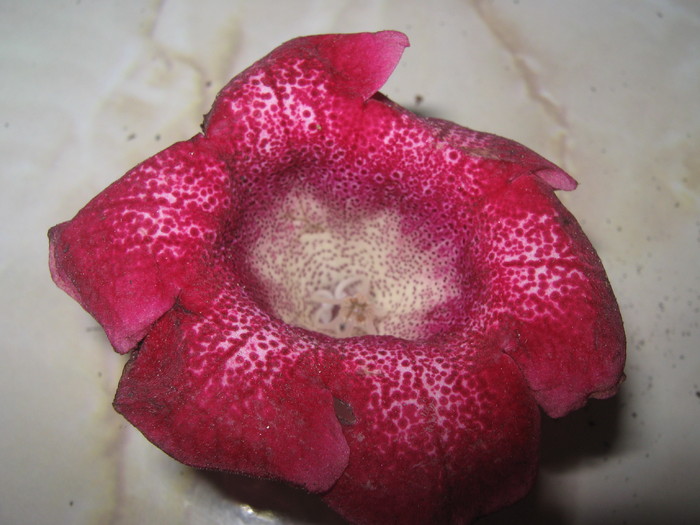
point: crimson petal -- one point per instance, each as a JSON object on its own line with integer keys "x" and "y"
{"x": 312, "y": 206}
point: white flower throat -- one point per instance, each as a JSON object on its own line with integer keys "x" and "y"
{"x": 344, "y": 274}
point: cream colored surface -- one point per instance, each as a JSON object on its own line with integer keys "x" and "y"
{"x": 609, "y": 90}
{"x": 380, "y": 280}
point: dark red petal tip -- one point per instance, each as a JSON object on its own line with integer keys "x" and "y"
{"x": 361, "y": 63}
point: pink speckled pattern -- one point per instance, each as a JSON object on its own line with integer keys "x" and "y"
{"x": 309, "y": 194}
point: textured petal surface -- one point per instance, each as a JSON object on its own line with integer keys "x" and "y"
{"x": 457, "y": 422}
{"x": 229, "y": 388}
{"x": 128, "y": 253}
{"x": 313, "y": 206}
{"x": 567, "y": 329}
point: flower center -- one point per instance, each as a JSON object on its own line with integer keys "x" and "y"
{"x": 334, "y": 269}
{"x": 347, "y": 310}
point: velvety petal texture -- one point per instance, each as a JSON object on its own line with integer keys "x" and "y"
{"x": 325, "y": 288}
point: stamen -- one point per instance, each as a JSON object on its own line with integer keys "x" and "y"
{"x": 347, "y": 311}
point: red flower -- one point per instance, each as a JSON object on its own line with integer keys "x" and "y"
{"x": 325, "y": 288}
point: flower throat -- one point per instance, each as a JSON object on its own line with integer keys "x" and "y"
{"x": 344, "y": 273}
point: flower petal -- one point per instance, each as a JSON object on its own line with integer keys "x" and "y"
{"x": 457, "y": 422}
{"x": 230, "y": 388}
{"x": 547, "y": 278}
{"x": 128, "y": 253}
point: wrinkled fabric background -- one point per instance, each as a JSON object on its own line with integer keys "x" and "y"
{"x": 608, "y": 90}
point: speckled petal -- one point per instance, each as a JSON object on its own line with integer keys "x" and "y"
{"x": 457, "y": 421}
{"x": 546, "y": 278}
{"x": 128, "y": 253}
{"x": 231, "y": 388}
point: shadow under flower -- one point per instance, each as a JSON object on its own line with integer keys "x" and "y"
{"x": 586, "y": 435}
{"x": 274, "y": 501}
{"x": 589, "y": 434}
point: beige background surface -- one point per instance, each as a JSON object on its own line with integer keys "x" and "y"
{"x": 609, "y": 90}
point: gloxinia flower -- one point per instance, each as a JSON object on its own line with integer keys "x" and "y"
{"x": 325, "y": 288}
